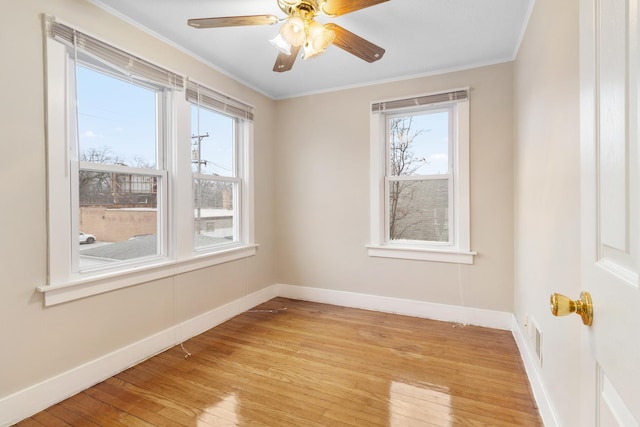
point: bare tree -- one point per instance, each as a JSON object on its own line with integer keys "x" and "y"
{"x": 142, "y": 163}
{"x": 93, "y": 182}
{"x": 111, "y": 188}
{"x": 403, "y": 162}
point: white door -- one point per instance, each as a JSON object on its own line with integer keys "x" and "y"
{"x": 610, "y": 193}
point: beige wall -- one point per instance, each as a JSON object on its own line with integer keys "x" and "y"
{"x": 547, "y": 191}
{"x": 39, "y": 342}
{"x": 322, "y": 163}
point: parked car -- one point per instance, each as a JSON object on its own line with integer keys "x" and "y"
{"x": 87, "y": 238}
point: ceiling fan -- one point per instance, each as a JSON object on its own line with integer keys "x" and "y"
{"x": 300, "y": 30}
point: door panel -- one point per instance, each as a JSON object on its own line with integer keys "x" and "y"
{"x": 609, "y": 208}
{"x": 612, "y": 408}
{"x": 616, "y": 127}
{"x": 612, "y": 126}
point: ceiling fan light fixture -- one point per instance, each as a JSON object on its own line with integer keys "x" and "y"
{"x": 318, "y": 40}
{"x": 281, "y": 44}
{"x": 293, "y": 32}
{"x": 320, "y": 36}
{"x": 309, "y": 51}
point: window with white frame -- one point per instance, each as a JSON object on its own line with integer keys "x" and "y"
{"x": 218, "y": 140}
{"x": 122, "y": 172}
{"x": 118, "y": 168}
{"x": 420, "y": 178}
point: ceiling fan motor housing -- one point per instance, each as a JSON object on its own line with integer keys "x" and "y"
{"x": 304, "y": 8}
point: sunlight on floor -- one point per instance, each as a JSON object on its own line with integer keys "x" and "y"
{"x": 411, "y": 404}
{"x": 224, "y": 412}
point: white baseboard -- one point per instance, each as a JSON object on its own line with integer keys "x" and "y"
{"x": 31, "y": 400}
{"x": 208, "y": 320}
{"x": 531, "y": 366}
{"x": 448, "y": 313}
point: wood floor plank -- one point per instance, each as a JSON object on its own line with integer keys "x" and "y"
{"x": 100, "y": 412}
{"x": 30, "y": 422}
{"x": 46, "y": 419}
{"x": 298, "y": 363}
{"x": 70, "y": 417}
{"x": 129, "y": 402}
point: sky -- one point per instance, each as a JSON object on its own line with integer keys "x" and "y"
{"x": 433, "y": 144}
{"x": 120, "y": 117}
{"x": 217, "y": 148}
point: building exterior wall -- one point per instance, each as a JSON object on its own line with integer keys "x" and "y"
{"x": 115, "y": 225}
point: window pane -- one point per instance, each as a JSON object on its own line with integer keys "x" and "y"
{"x": 214, "y": 215}
{"x": 419, "y": 144}
{"x": 419, "y": 210}
{"x": 116, "y": 120}
{"x": 117, "y": 125}
{"x": 212, "y": 142}
{"x": 120, "y": 213}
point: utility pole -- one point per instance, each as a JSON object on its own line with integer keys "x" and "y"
{"x": 198, "y": 160}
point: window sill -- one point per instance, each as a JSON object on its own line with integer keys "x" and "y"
{"x": 81, "y": 287}
{"x": 422, "y": 254}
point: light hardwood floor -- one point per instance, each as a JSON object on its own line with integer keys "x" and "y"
{"x": 297, "y": 363}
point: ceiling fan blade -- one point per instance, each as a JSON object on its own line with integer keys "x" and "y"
{"x": 285, "y": 62}
{"x": 233, "y": 21}
{"x": 354, "y": 44}
{"x": 341, "y": 7}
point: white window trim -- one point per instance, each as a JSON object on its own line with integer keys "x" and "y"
{"x": 97, "y": 284}
{"x": 243, "y": 161}
{"x": 460, "y": 251}
{"x": 62, "y": 284}
{"x": 183, "y": 200}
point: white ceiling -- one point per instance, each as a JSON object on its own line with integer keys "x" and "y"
{"x": 420, "y": 37}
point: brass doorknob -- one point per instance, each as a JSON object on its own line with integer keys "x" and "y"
{"x": 562, "y": 305}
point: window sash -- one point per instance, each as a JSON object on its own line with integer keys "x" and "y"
{"x": 449, "y": 108}
{"x": 450, "y": 210}
{"x": 389, "y": 117}
{"x": 205, "y": 98}
{"x": 237, "y": 135}
{"x": 124, "y": 265}
{"x": 120, "y": 169}
{"x": 236, "y": 200}
{"x": 159, "y": 172}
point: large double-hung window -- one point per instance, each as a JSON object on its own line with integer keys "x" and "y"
{"x": 420, "y": 178}
{"x": 134, "y": 196}
{"x": 220, "y": 129}
{"x": 121, "y": 187}
{"x": 109, "y": 121}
